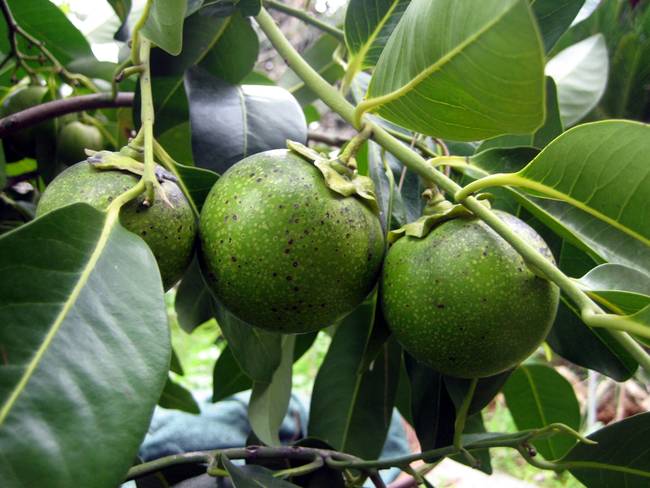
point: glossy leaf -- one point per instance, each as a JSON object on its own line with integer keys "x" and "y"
{"x": 320, "y": 57}
{"x": 621, "y": 457}
{"x": 228, "y": 378}
{"x": 193, "y": 302}
{"x": 269, "y": 400}
{"x": 231, "y": 122}
{"x": 54, "y": 303}
{"x": 352, "y": 409}
{"x": 164, "y": 26}
{"x": 176, "y": 397}
{"x": 538, "y": 396}
{"x": 591, "y": 348}
{"x": 368, "y": 25}
{"x": 625, "y": 290}
{"x": 251, "y": 476}
{"x": 461, "y": 70}
{"x": 554, "y": 17}
{"x": 580, "y": 72}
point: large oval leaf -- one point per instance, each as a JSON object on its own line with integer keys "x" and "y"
{"x": 86, "y": 349}
{"x": 621, "y": 457}
{"x": 461, "y": 70}
{"x": 554, "y": 18}
{"x": 230, "y": 122}
{"x": 538, "y": 396}
{"x": 580, "y": 72}
{"x": 164, "y": 25}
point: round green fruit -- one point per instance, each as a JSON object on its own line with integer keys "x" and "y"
{"x": 23, "y": 142}
{"x": 281, "y": 250}
{"x": 74, "y": 138}
{"x": 169, "y": 231}
{"x": 462, "y": 300}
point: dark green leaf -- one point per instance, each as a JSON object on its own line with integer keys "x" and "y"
{"x": 177, "y": 141}
{"x": 319, "y": 56}
{"x": 368, "y": 25}
{"x": 486, "y": 390}
{"x": 621, "y": 457}
{"x": 198, "y": 181}
{"x": 624, "y": 290}
{"x": 252, "y": 476}
{"x": 193, "y": 299}
{"x": 538, "y": 396}
{"x": 352, "y": 409}
{"x": 432, "y": 408}
{"x": 164, "y": 25}
{"x": 554, "y": 17}
{"x": 231, "y": 122}
{"x": 117, "y": 361}
{"x": 591, "y": 348}
{"x": 176, "y": 397}
{"x": 228, "y": 378}
{"x": 448, "y": 71}
{"x": 270, "y": 400}
{"x": 175, "y": 364}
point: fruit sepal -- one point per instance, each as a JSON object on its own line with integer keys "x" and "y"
{"x": 339, "y": 177}
{"x": 435, "y": 213}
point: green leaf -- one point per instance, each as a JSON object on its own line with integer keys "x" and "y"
{"x": 270, "y": 400}
{"x": 197, "y": 181}
{"x": 176, "y": 397}
{"x": 368, "y": 25}
{"x": 623, "y": 290}
{"x": 320, "y": 57}
{"x": 95, "y": 375}
{"x": 541, "y": 137}
{"x": 621, "y": 457}
{"x": 228, "y": 378}
{"x": 193, "y": 302}
{"x": 591, "y": 348}
{"x": 474, "y": 425}
{"x": 538, "y": 396}
{"x": 164, "y": 25}
{"x": 580, "y": 72}
{"x": 177, "y": 141}
{"x": 251, "y": 476}
{"x": 486, "y": 389}
{"x": 351, "y": 409}
{"x": 243, "y": 126}
{"x": 461, "y": 70}
{"x": 554, "y": 17}
{"x": 257, "y": 351}
{"x": 3, "y": 169}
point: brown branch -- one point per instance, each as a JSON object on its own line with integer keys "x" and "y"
{"x": 50, "y": 110}
{"x": 330, "y": 140}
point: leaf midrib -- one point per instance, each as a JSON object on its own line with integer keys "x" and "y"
{"x": 109, "y": 224}
{"x": 373, "y": 102}
{"x": 538, "y": 404}
{"x": 360, "y": 55}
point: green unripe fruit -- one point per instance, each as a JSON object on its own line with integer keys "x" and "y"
{"x": 74, "y": 138}
{"x": 23, "y": 141}
{"x": 169, "y": 231}
{"x": 284, "y": 252}
{"x": 462, "y": 300}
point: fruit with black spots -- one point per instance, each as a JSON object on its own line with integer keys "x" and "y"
{"x": 168, "y": 228}
{"x": 284, "y": 252}
{"x": 463, "y": 301}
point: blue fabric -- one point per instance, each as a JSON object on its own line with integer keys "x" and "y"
{"x": 225, "y": 424}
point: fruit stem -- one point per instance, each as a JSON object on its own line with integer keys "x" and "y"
{"x": 147, "y": 116}
{"x": 170, "y": 165}
{"x": 351, "y": 150}
{"x": 305, "y": 17}
{"x": 461, "y": 414}
{"x": 135, "y": 34}
{"x": 411, "y": 159}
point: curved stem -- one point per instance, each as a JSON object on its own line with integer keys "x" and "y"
{"x": 317, "y": 463}
{"x": 461, "y": 414}
{"x": 170, "y": 165}
{"x": 135, "y": 33}
{"x": 305, "y": 17}
{"x": 417, "y": 163}
{"x": 50, "y": 110}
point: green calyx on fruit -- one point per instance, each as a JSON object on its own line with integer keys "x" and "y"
{"x": 74, "y": 138}
{"x": 462, "y": 300}
{"x": 167, "y": 226}
{"x": 24, "y": 142}
{"x": 283, "y": 251}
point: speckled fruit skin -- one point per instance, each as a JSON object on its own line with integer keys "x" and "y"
{"x": 74, "y": 138}
{"x": 462, "y": 300}
{"x": 169, "y": 231}
{"x": 281, "y": 250}
{"x": 23, "y": 141}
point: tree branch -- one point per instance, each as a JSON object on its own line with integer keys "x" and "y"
{"x": 305, "y": 17}
{"x": 50, "y": 110}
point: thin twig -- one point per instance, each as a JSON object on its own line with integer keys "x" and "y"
{"x": 50, "y": 110}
